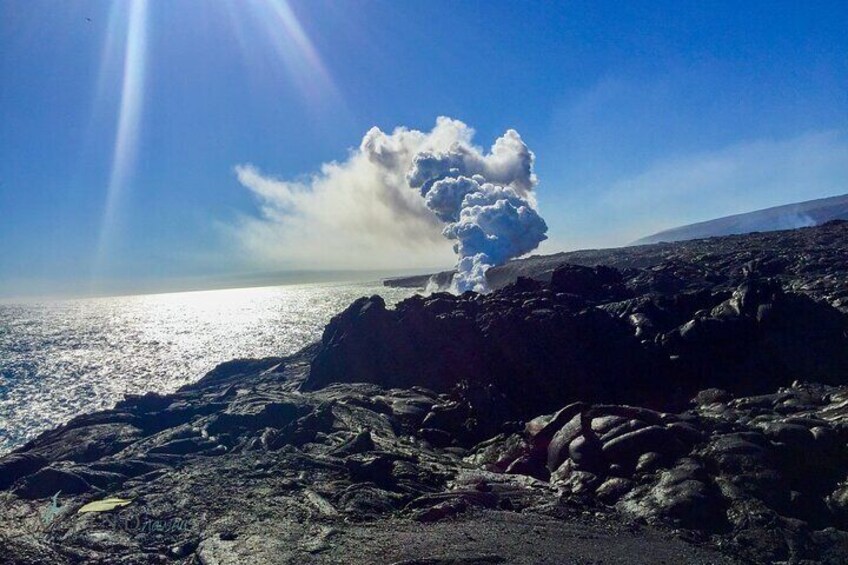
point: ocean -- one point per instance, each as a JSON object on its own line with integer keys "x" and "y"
{"x": 59, "y": 359}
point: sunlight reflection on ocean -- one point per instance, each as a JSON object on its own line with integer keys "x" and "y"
{"x": 63, "y": 358}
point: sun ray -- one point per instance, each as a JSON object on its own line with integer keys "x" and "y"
{"x": 290, "y": 46}
{"x": 129, "y": 118}
{"x": 306, "y": 50}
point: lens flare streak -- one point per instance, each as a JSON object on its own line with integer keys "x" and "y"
{"x": 290, "y": 43}
{"x": 129, "y": 120}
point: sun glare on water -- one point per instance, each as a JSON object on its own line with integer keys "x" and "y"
{"x": 59, "y": 359}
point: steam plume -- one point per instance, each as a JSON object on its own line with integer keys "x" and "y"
{"x": 394, "y": 198}
{"x": 486, "y": 201}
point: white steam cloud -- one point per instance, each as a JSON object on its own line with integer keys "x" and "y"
{"x": 486, "y": 201}
{"x": 392, "y": 200}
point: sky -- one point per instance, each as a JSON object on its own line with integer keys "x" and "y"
{"x": 154, "y": 144}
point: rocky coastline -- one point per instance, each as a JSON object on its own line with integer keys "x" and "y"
{"x": 676, "y": 402}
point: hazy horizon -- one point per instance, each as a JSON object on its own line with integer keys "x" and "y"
{"x": 115, "y": 289}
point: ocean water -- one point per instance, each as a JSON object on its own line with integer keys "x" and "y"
{"x": 59, "y": 359}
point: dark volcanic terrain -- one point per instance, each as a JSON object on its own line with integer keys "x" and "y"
{"x": 669, "y": 403}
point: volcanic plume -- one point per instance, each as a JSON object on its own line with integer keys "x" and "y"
{"x": 396, "y": 192}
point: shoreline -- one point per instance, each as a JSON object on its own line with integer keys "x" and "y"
{"x": 692, "y": 409}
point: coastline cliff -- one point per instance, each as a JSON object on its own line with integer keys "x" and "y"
{"x": 678, "y": 402}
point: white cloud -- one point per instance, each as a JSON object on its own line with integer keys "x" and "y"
{"x": 363, "y": 213}
{"x": 351, "y": 214}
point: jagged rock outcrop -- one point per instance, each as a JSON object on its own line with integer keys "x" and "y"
{"x": 589, "y": 336}
{"x": 536, "y": 349}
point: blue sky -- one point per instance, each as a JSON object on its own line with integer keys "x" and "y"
{"x": 121, "y": 125}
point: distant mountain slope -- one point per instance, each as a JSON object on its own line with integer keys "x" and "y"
{"x": 800, "y": 250}
{"x": 789, "y": 216}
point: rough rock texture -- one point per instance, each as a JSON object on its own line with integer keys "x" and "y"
{"x": 622, "y": 415}
{"x": 640, "y": 336}
{"x": 243, "y": 467}
{"x": 809, "y": 260}
{"x": 764, "y": 477}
